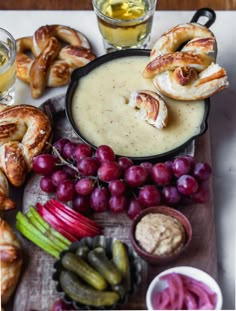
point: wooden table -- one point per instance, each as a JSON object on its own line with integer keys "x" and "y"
{"x": 87, "y": 4}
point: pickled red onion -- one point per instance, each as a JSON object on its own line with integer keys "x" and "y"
{"x": 184, "y": 293}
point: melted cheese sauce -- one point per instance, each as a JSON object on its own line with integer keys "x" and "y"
{"x": 102, "y": 116}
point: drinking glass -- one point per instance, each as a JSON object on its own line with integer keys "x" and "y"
{"x": 125, "y": 23}
{"x": 7, "y": 67}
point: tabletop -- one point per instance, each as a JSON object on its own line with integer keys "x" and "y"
{"x": 222, "y": 116}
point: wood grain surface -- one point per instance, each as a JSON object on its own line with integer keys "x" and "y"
{"x": 36, "y": 290}
{"x": 87, "y": 4}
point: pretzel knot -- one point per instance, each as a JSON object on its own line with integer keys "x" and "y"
{"x": 48, "y": 58}
{"x": 24, "y": 133}
{"x": 186, "y": 72}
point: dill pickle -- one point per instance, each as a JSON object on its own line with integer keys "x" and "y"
{"x": 121, "y": 260}
{"x": 80, "y": 267}
{"x": 99, "y": 260}
{"x": 84, "y": 294}
{"x": 120, "y": 289}
{"x": 82, "y": 252}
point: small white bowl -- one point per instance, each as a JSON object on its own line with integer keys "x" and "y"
{"x": 197, "y": 274}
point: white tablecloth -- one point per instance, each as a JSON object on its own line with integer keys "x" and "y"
{"x": 222, "y": 115}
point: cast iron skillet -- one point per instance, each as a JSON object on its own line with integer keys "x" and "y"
{"x": 81, "y": 72}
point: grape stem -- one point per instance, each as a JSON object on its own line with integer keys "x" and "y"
{"x": 63, "y": 161}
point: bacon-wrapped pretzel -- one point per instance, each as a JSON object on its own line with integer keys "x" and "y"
{"x": 189, "y": 73}
{"x": 57, "y": 50}
{"x": 10, "y": 261}
{"x": 24, "y": 133}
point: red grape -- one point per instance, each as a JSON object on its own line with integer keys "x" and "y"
{"x": 65, "y": 190}
{"x": 59, "y": 144}
{"x": 181, "y": 166}
{"x": 136, "y": 175}
{"x": 134, "y": 208}
{"x": 116, "y": 187}
{"x": 88, "y": 166}
{"x": 202, "y": 171}
{"x": 99, "y": 199}
{"x": 84, "y": 186}
{"x": 169, "y": 164}
{"x": 44, "y": 164}
{"x": 46, "y": 184}
{"x": 58, "y": 177}
{"x": 82, "y": 151}
{"x": 68, "y": 150}
{"x": 203, "y": 194}
{"x": 60, "y": 305}
{"x": 171, "y": 195}
{"x": 147, "y": 166}
{"x": 187, "y": 184}
{"x": 118, "y": 204}
{"x": 124, "y": 163}
{"x": 109, "y": 171}
{"x": 149, "y": 195}
{"x": 104, "y": 153}
{"x": 81, "y": 203}
{"x": 69, "y": 171}
{"x": 161, "y": 174}
{"x": 190, "y": 160}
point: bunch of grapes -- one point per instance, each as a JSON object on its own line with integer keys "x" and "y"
{"x": 100, "y": 181}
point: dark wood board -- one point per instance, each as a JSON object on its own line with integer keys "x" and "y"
{"x": 36, "y": 289}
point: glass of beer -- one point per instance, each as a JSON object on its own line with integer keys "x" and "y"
{"x": 125, "y": 24}
{"x": 7, "y": 67}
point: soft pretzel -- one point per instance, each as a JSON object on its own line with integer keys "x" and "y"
{"x": 57, "y": 50}
{"x": 171, "y": 41}
{"x": 188, "y": 74}
{"x": 5, "y": 202}
{"x": 208, "y": 82}
{"x": 10, "y": 261}
{"x": 24, "y": 133}
{"x": 152, "y": 107}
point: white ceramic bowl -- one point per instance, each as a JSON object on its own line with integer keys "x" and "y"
{"x": 197, "y": 274}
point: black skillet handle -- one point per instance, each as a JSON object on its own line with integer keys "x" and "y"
{"x": 204, "y": 12}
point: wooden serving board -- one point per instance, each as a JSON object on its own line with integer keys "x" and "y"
{"x": 36, "y": 290}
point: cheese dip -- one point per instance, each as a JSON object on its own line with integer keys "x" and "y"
{"x": 101, "y": 113}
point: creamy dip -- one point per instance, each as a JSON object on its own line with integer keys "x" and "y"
{"x": 160, "y": 234}
{"x": 102, "y": 116}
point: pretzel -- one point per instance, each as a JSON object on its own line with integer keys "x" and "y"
{"x": 152, "y": 107}
{"x": 24, "y": 133}
{"x": 5, "y": 202}
{"x": 188, "y": 74}
{"x": 57, "y": 50}
{"x": 10, "y": 261}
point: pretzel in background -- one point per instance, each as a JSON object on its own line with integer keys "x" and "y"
{"x": 48, "y": 58}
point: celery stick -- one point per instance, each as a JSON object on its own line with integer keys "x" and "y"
{"x": 22, "y": 219}
{"x": 58, "y": 243}
{"x": 36, "y": 239}
{"x": 47, "y": 226}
